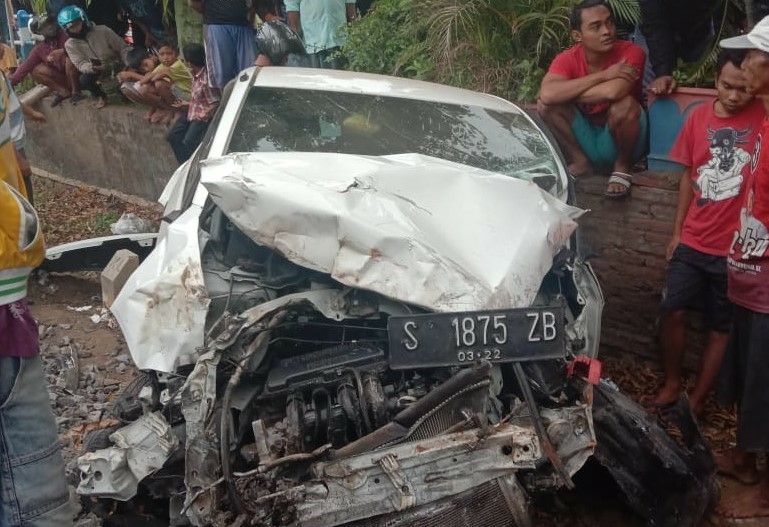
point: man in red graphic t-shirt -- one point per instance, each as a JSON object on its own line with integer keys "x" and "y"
{"x": 716, "y": 146}
{"x": 745, "y": 372}
{"x": 591, "y": 98}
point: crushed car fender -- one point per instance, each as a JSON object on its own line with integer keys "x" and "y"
{"x": 162, "y": 307}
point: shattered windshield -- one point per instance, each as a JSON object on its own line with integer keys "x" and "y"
{"x": 294, "y": 120}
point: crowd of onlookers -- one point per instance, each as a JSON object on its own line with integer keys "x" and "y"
{"x": 593, "y": 99}
{"x": 74, "y": 54}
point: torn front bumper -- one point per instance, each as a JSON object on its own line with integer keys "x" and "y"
{"x": 411, "y": 478}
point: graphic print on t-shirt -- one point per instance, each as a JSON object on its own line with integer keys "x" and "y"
{"x": 752, "y": 240}
{"x": 721, "y": 177}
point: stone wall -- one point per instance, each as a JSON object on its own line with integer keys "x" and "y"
{"x": 113, "y": 148}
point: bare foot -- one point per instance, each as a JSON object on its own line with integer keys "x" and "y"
{"x": 740, "y": 467}
{"x": 169, "y": 117}
{"x": 101, "y": 102}
{"x": 148, "y": 115}
{"x": 668, "y": 394}
{"x": 157, "y": 116}
{"x": 580, "y": 168}
{"x": 749, "y": 504}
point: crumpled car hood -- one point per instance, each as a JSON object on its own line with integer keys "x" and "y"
{"x": 414, "y": 228}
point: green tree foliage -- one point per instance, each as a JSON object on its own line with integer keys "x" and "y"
{"x": 497, "y": 46}
{"x": 390, "y": 40}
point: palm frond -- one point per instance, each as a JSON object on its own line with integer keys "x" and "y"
{"x": 627, "y": 11}
{"x": 447, "y": 19}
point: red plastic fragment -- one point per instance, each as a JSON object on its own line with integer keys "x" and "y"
{"x": 585, "y": 367}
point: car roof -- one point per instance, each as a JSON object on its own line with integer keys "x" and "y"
{"x": 375, "y": 85}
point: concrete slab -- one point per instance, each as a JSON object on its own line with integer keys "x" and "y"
{"x": 114, "y": 276}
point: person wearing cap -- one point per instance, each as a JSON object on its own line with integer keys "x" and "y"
{"x": 745, "y": 375}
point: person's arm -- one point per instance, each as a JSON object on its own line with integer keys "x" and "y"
{"x": 557, "y": 89}
{"x": 352, "y": 11}
{"x": 197, "y": 5}
{"x": 27, "y": 65}
{"x": 616, "y": 89}
{"x": 657, "y": 28}
{"x": 156, "y": 74}
{"x": 292, "y": 15}
{"x": 685, "y": 195}
{"x": 81, "y": 61}
{"x": 117, "y": 45}
{"x": 31, "y": 113}
{"x": 609, "y": 91}
{"x": 129, "y": 76}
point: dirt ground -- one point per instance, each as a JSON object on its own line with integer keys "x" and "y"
{"x": 87, "y": 360}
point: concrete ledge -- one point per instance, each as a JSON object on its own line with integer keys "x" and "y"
{"x": 112, "y": 148}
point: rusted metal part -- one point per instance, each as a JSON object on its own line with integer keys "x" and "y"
{"x": 254, "y": 353}
{"x": 536, "y": 418}
{"x": 404, "y": 497}
{"x": 415, "y": 473}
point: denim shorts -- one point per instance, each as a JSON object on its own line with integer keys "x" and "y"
{"x": 34, "y": 490}
{"x": 697, "y": 281}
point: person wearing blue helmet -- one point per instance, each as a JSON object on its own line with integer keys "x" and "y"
{"x": 91, "y": 48}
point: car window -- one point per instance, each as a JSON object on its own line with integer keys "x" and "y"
{"x": 286, "y": 120}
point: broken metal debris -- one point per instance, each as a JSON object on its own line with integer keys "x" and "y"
{"x": 140, "y": 450}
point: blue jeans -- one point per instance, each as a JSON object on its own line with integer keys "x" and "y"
{"x": 34, "y": 491}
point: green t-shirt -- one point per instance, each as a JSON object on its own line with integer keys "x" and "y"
{"x": 321, "y": 21}
{"x": 180, "y": 75}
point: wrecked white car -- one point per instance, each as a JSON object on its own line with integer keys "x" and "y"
{"x": 367, "y": 305}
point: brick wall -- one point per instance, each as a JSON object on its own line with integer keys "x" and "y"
{"x": 628, "y": 239}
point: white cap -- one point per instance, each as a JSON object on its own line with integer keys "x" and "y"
{"x": 758, "y": 38}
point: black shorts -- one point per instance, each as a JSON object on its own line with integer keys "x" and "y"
{"x": 697, "y": 281}
{"x": 744, "y": 377}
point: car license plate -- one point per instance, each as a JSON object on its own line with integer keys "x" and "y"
{"x": 452, "y": 339}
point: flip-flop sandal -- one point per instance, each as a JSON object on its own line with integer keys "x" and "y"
{"x": 57, "y": 98}
{"x": 619, "y": 178}
{"x": 76, "y": 98}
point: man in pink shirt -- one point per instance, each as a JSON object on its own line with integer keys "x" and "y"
{"x": 591, "y": 98}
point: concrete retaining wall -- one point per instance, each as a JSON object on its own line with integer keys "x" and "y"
{"x": 113, "y": 148}
{"x": 116, "y": 149}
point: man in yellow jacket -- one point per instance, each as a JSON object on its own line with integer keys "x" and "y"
{"x": 33, "y": 490}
